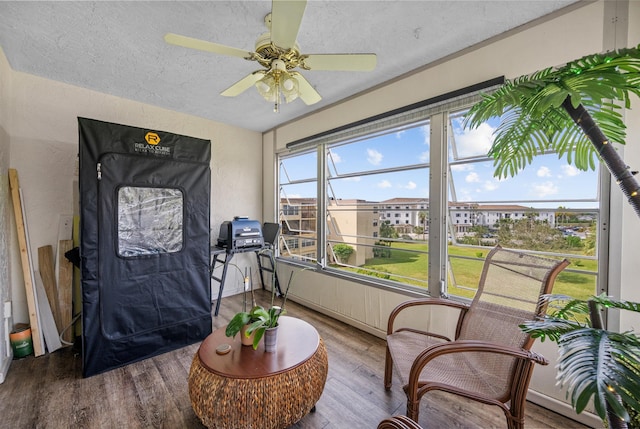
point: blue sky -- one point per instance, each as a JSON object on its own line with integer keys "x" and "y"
{"x": 547, "y": 178}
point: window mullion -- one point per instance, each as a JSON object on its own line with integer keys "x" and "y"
{"x": 321, "y": 207}
{"x": 438, "y": 206}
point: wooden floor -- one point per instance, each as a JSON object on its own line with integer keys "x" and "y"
{"x": 49, "y": 391}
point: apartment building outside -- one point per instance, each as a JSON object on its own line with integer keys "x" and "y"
{"x": 353, "y": 222}
{"x": 357, "y": 222}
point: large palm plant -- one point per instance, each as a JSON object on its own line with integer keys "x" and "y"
{"x": 574, "y": 110}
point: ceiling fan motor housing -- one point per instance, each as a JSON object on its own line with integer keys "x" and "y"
{"x": 268, "y": 52}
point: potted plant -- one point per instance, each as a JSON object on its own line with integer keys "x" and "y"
{"x": 593, "y": 362}
{"x": 259, "y": 319}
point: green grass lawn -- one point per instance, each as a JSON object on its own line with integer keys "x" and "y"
{"x": 408, "y": 263}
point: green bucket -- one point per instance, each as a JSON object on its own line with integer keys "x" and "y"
{"x": 21, "y": 341}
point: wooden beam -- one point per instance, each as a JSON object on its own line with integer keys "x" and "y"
{"x": 36, "y": 334}
{"x": 48, "y": 325}
{"x": 48, "y": 274}
{"x": 65, "y": 287}
{"x": 77, "y": 277}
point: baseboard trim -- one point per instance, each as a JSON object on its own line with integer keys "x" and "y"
{"x": 338, "y": 316}
{"x": 586, "y": 418}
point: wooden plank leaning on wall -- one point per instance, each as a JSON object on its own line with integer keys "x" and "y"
{"x": 36, "y": 334}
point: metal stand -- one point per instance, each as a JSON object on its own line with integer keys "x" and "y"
{"x": 222, "y": 255}
{"x": 270, "y": 268}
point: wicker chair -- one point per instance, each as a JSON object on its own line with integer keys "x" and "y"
{"x": 398, "y": 422}
{"x": 490, "y": 359}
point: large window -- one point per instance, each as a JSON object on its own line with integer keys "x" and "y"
{"x": 411, "y": 201}
{"x": 550, "y": 208}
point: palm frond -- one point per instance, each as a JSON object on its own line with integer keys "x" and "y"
{"x": 532, "y": 106}
{"x": 609, "y": 302}
{"x": 549, "y": 327}
{"x": 520, "y": 138}
{"x": 566, "y": 307}
{"x": 600, "y": 364}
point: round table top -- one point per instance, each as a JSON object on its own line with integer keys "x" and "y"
{"x": 297, "y": 342}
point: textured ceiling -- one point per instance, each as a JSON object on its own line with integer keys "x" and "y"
{"x": 118, "y": 48}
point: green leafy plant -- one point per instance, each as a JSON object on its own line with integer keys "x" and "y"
{"x": 342, "y": 251}
{"x": 379, "y": 272}
{"x": 381, "y": 249}
{"x": 259, "y": 318}
{"x": 573, "y": 110}
{"x": 593, "y": 362}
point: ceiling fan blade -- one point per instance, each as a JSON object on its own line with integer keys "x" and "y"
{"x": 349, "y": 62}
{"x": 202, "y": 45}
{"x": 243, "y": 84}
{"x": 286, "y": 16}
{"x": 308, "y": 94}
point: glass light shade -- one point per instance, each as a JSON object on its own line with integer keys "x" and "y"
{"x": 267, "y": 87}
{"x": 289, "y": 87}
{"x": 277, "y": 84}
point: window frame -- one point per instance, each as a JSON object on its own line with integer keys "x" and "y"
{"x": 436, "y": 112}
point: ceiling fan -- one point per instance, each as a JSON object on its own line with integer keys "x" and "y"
{"x": 279, "y": 54}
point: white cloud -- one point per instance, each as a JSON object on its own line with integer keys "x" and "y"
{"x": 374, "y": 157}
{"x": 472, "y": 177}
{"x": 475, "y": 142}
{"x": 426, "y": 133}
{"x": 543, "y": 172}
{"x": 336, "y": 158}
{"x": 410, "y": 185}
{"x": 352, "y": 179}
{"x": 545, "y": 189}
{"x": 570, "y": 170}
{"x": 424, "y": 156}
{"x": 400, "y": 133}
{"x": 490, "y": 185}
{"x": 464, "y": 195}
{"x": 384, "y": 184}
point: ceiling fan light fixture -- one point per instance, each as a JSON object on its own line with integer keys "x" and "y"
{"x": 289, "y": 87}
{"x": 278, "y": 84}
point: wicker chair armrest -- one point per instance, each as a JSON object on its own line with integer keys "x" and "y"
{"x": 420, "y": 331}
{"x": 466, "y": 346}
{"x": 423, "y": 301}
{"x": 398, "y": 422}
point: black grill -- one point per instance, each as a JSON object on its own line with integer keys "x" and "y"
{"x": 242, "y": 234}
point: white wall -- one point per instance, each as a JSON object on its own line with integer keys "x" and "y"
{"x": 630, "y": 290}
{"x": 581, "y": 31}
{"x": 5, "y": 231}
{"x": 43, "y": 138}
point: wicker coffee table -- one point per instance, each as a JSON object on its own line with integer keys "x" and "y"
{"x": 251, "y": 389}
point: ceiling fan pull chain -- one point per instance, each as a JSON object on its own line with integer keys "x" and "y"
{"x": 276, "y": 108}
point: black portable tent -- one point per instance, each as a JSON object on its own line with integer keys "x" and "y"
{"x": 144, "y": 242}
